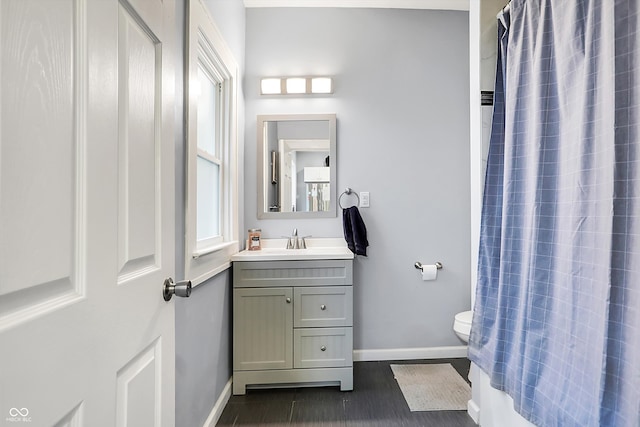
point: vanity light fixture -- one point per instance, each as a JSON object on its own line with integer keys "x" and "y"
{"x": 296, "y": 85}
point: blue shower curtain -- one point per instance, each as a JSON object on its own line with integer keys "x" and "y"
{"x": 557, "y": 314}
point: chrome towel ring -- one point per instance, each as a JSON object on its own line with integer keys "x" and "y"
{"x": 348, "y": 191}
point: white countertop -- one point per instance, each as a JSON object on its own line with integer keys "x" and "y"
{"x": 317, "y": 248}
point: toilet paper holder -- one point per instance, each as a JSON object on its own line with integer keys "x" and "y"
{"x": 418, "y": 265}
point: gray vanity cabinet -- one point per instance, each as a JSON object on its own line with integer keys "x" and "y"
{"x": 292, "y": 323}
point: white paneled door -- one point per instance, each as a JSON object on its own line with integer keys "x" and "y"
{"x": 86, "y": 212}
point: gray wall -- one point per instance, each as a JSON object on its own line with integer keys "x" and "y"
{"x": 402, "y": 102}
{"x": 203, "y": 321}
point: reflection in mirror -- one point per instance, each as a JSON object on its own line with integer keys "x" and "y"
{"x": 296, "y": 173}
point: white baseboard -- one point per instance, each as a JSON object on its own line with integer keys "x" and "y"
{"x": 216, "y": 412}
{"x": 474, "y": 411}
{"x": 410, "y": 353}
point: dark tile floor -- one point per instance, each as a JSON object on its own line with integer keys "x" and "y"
{"x": 376, "y": 400}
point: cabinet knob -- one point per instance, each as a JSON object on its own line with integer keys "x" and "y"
{"x": 288, "y": 300}
{"x": 323, "y": 307}
{"x": 323, "y": 348}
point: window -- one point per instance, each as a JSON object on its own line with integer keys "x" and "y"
{"x": 209, "y": 163}
{"x": 211, "y": 208}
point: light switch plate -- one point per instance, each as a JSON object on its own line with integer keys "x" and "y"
{"x": 364, "y": 199}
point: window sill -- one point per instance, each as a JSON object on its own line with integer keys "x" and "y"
{"x": 211, "y": 249}
{"x": 208, "y": 262}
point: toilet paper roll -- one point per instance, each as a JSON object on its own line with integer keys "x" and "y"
{"x": 429, "y": 272}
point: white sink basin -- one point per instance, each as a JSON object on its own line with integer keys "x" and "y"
{"x": 275, "y": 250}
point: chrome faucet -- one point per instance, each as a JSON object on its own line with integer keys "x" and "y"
{"x": 295, "y": 242}
{"x": 292, "y": 241}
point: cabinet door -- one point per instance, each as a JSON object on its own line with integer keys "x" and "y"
{"x": 262, "y": 328}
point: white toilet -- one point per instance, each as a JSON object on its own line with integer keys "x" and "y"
{"x": 462, "y": 325}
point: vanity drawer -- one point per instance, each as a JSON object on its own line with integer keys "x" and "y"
{"x": 322, "y": 347}
{"x": 259, "y": 274}
{"x": 322, "y": 306}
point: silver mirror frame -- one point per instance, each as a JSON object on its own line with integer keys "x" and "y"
{"x": 331, "y": 118}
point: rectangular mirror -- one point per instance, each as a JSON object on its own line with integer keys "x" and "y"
{"x": 296, "y": 166}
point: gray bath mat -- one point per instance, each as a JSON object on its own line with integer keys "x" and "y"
{"x": 432, "y": 387}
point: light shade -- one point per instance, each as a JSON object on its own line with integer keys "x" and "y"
{"x": 296, "y": 85}
{"x": 271, "y": 86}
{"x": 321, "y": 85}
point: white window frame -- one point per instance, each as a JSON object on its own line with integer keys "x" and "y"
{"x": 205, "y": 45}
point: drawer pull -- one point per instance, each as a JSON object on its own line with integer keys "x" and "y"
{"x": 323, "y": 307}
{"x": 288, "y": 300}
{"x": 323, "y": 348}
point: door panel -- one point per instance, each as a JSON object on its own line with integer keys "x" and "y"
{"x": 138, "y": 389}
{"x": 72, "y": 419}
{"x": 86, "y": 205}
{"x": 39, "y": 210}
{"x": 139, "y": 93}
